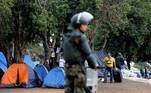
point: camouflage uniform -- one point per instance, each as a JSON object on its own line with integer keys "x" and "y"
{"x": 75, "y": 79}
{"x": 76, "y": 50}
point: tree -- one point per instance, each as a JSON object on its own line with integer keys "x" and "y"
{"x": 112, "y": 20}
{"x": 21, "y": 26}
{"x": 49, "y": 20}
{"x": 5, "y": 22}
{"x": 139, "y": 22}
{"x": 125, "y": 26}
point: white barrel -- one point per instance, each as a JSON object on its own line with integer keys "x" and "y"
{"x": 92, "y": 79}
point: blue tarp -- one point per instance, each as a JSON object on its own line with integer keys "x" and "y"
{"x": 28, "y": 61}
{"x": 41, "y": 71}
{"x": 55, "y": 78}
{"x": 101, "y": 54}
{"x": 3, "y": 62}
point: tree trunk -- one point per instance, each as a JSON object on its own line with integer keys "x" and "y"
{"x": 104, "y": 44}
{"x": 17, "y": 38}
{"x": 46, "y": 49}
{"x": 91, "y": 36}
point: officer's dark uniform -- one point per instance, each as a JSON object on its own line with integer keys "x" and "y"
{"x": 76, "y": 50}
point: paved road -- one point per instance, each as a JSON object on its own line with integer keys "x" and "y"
{"x": 125, "y": 87}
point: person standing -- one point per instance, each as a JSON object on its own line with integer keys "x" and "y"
{"x": 142, "y": 72}
{"x": 75, "y": 51}
{"x": 109, "y": 66}
{"x": 119, "y": 61}
{"x": 129, "y": 59}
{"x": 61, "y": 62}
{"x": 146, "y": 72}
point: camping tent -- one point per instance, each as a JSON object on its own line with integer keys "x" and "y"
{"x": 3, "y": 59}
{"x": 3, "y": 64}
{"x": 19, "y": 75}
{"x": 28, "y": 61}
{"x": 41, "y": 71}
{"x": 55, "y": 78}
{"x": 3, "y": 67}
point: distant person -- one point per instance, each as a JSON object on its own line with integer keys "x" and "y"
{"x": 26, "y": 52}
{"x": 52, "y": 58}
{"x": 146, "y": 72}
{"x": 109, "y": 66}
{"x": 129, "y": 59}
{"x": 142, "y": 72}
{"x": 119, "y": 61}
{"x": 61, "y": 62}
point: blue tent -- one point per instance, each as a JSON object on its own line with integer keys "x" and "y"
{"x": 3, "y": 64}
{"x": 55, "y": 78}
{"x": 41, "y": 71}
{"x": 3, "y": 59}
{"x": 33, "y": 80}
{"x": 28, "y": 61}
{"x": 3, "y": 67}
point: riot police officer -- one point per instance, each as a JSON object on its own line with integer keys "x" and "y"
{"x": 75, "y": 51}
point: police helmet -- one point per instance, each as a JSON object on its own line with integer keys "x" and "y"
{"x": 81, "y": 18}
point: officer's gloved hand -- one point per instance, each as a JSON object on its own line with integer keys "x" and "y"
{"x": 97, "y": 66}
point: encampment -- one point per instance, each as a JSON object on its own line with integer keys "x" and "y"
{"x": 19, "y": 75}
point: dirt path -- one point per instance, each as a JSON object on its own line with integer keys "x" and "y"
{"x": 32, "y": 90}
{"x": 125, "y": 87}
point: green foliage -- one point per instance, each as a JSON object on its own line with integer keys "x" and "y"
{"x": 5, "y": 15}
{"x": 124, "y": 24}
{"x": 50, "y": 15}
{"x": 111, "y": 18}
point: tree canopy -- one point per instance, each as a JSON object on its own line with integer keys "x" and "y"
{"x": 119, "y": 26}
